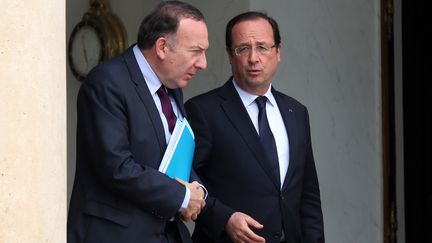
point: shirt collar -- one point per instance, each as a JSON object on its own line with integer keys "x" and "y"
{"x": 150, "y": 76}
{"x": 248, "y": 98}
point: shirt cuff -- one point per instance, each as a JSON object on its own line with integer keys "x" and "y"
{"x": 205, "y": 191}
{"x": 185, "y": 200}
{"x": 187, "y": 197}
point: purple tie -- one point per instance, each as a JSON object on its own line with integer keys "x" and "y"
{"x": 167, "y": 108}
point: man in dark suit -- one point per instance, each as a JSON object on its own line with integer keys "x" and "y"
{"x": 126, "y": 111}
{"x": 253, "y": 148}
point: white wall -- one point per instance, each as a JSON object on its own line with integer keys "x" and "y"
{"x": 32, "y": 121}
{"x": 331, "y": 63}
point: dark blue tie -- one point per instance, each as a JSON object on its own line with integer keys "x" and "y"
{"x": 266, "y": 135}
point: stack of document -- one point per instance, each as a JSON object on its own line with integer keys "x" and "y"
{"x": 178, "y": 157}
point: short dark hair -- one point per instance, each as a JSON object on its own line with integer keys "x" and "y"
{"x": 165, "y": 20}
{"x": 251, "y": 15}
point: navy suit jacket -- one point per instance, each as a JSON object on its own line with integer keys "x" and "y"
{"x": 118, "y": 193}
{"x": 232, "y": 165}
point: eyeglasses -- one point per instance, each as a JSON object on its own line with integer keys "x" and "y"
{"x": 259, "y": 49}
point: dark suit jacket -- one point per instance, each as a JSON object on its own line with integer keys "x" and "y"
{"x": 118, "y": 194}
{"x": 232, "y": 165}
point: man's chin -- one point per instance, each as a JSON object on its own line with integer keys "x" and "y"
{"x": 182, "y": 84}
{"x": 256, "y": 81}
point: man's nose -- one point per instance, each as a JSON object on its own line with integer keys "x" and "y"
{"x": 253, "y": 56}
{"x": 201, "y": 63}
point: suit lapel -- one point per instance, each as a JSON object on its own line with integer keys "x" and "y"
{"x": 145, "y": 96}
{"x": 237, "y": 114}
{"x": 178, "y": 97}
{"x": 288, "y": 116}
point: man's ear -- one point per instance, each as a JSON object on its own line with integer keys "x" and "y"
{"x": 279, "y": 50}
{"x": 229, "y": 53}
{"x": 161, "y": 46}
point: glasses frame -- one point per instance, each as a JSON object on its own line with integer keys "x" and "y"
{"x": 251, "y": 48}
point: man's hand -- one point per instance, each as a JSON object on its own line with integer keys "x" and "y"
{"x": 239, "y": 228}
{"x": 196, "y": 202}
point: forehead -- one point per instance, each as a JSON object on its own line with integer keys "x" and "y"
{"x": 192, "y": 33}
{"x": 256, "y": 30}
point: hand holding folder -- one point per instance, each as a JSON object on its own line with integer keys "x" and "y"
{"x": 177, "y": 160}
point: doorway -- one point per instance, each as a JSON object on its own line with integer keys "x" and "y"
{"x": 416, "y": 52}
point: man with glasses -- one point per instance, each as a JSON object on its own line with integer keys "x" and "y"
{"x": 253, "y": 147}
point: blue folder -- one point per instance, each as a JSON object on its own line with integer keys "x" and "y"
{"x": 178, "y": 157}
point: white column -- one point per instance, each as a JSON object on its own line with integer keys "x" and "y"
{"x": 32, "y": 121}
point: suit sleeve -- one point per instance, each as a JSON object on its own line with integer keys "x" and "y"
{"x": 311, "y": 214}
{"x": 103, "y": 135}
{"x": 215, "y": 215}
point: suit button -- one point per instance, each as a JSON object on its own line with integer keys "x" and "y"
{"x": 281, "y": 197}
{"x": 276, "y": 235}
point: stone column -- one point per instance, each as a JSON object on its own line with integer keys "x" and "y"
{"x": 32, "y": 121}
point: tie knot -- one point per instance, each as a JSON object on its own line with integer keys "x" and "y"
{"x": 162, "y": 91}
{"x": 261, "y": 102}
